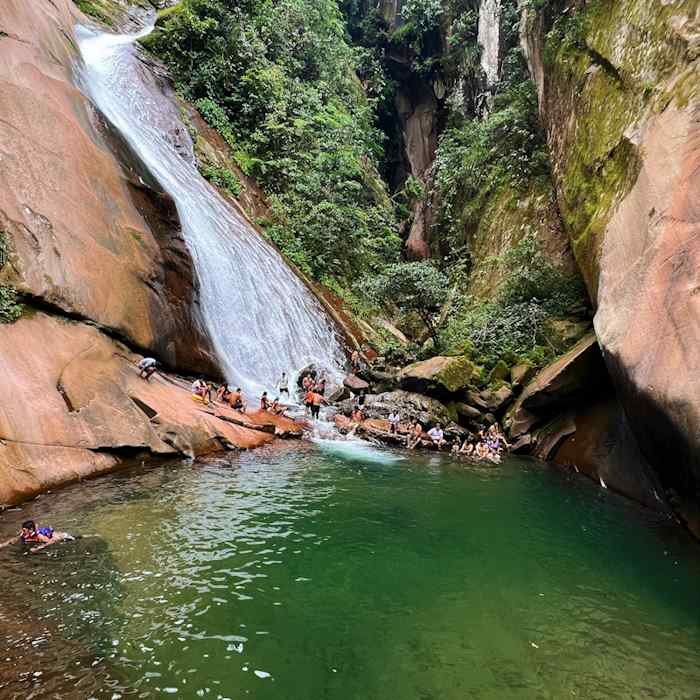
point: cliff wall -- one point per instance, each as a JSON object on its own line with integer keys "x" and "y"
{"x": 618, "y": 94}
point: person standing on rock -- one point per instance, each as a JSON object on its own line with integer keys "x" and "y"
{"x": 316, "y": 401}
{"x": 147, "y": 367}
{"x": 283, "y": 384}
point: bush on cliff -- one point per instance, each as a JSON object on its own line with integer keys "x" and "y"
{"x": 10, "y": 307}
{"x": 475, "y": 158}
{"x": 516, "y": 324}
{"x": 278, "y": 81}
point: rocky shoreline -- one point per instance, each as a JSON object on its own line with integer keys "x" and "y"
{"x": 565, "y": 413}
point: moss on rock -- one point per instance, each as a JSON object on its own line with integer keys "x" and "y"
{"x": 608, "y": 64}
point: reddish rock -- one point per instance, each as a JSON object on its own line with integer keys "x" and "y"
{"x": 568, "y": 380}
{"x": 77, "y": 406}
{"x": 85, "y": 235}
{"x": 354, "y": 383}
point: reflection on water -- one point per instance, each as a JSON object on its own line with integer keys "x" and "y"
{"x": 320, "y": 571}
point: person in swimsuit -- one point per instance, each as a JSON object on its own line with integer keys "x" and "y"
{"x": 316, "y": 402}
{"x": 40, "y": 537}
{"x": 415, "y": 437}
{"x": 284, "y": 384}
{"x": 223, "y": 393}
{"x": 264, "y": 402}
{"x": 235, "y": 400}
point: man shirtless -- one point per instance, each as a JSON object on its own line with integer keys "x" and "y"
{"x": 41, "y": 537}
{"x": 314, "y": 401}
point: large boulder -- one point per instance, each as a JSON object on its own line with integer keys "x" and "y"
{"x": 565, "y": 382}
{"x": 78, "y": 407}
{"x": 355, "y": 383}
{"x": 439, "y": 375}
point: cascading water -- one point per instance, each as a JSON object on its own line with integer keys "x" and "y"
{"x": 260, "y": 316}
{"x": 489, "y": 38}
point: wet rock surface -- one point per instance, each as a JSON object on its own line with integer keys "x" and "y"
{"x": 79, "y": 408}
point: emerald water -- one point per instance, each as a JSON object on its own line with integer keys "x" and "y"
{"x": 338, "y": 572}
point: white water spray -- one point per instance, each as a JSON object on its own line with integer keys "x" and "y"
{"x": 260, "y": 316}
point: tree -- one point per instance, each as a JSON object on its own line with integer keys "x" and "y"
{"x": 412, "y": 286}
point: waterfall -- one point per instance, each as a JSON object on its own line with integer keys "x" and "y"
{"x": 260, "y": 316}
{"x": 489, "y": 38}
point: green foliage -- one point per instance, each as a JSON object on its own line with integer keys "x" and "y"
{"x": 278, "y": 81}
{"x": 417, "y": 287}
{"x": 424, "y": 15}
{"x": 222, "y": 177}
{"x": 10, "y": 306}
{"x": 515, "y": 324}
{"x": 91, "y": 9}
{"x": 477, "y": 157}
{"x": 533, "y": 278}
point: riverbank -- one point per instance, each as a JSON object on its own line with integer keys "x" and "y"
{"x": 75, "y": 407}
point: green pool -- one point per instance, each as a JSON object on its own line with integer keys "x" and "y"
{"x": 335, "y": 571}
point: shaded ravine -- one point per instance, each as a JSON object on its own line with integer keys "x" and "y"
{"x": 260, "y": 316}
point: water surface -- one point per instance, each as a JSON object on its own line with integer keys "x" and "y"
{"x": 315, "y": 572}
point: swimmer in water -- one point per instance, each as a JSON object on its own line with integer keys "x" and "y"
{"x": 41, "y": 537}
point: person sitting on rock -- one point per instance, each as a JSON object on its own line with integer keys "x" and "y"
{"x": 283, "y": 384}
{"x": 415, "y": 436}
{"x": 223, "y": 393}
{"x": 357, "y": 416}
{"x": 235, "y": 400}
{"x": 41, "y": 537}
{"x": 437, "y": 436}
{"x": 394, "y": 420}
{"x": 264, "y": 402}
{"x": 355, "y": 360}
{"x": 147, "y": 367}
{"x": 277, "y": 408}
{"x": 467, "y": 448}
{"x": 199, "y": 390}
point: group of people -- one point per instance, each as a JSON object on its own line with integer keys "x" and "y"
{"x": 486, "y": 446}
{"x": 314, "y": 394}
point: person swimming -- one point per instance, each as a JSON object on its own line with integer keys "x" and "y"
{"x": 41, "y": 537}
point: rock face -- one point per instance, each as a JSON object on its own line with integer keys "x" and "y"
{"x": 622, "y": 112}
{"x": 86, "y": 235}
{"x": 438, "y": 375}
{"x": 94, "y": 246}
{"x": 409, "y": 405}
{"x": 76, "y": 407}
